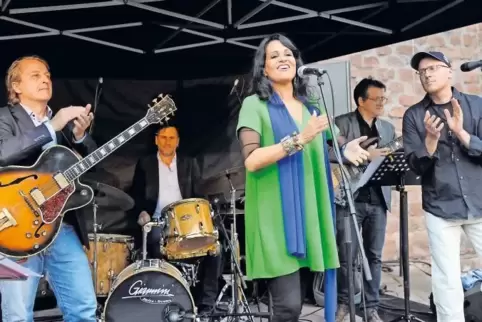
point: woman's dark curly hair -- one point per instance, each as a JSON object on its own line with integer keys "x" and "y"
{"x": 260, "y": 84}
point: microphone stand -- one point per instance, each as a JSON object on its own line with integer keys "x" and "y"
{"x": 348, "y": 194}
{"x": 98, "y": 93}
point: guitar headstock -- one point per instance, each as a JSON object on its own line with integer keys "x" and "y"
{"x": 160, "y": 109}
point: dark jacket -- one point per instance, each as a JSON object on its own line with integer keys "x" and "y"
{"x": 350, "y": 130}
{"x": 145, "y": 187}
{"x": 145, "y": 183}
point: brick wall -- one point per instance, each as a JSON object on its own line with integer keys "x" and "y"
{"x": 390, "y": 64}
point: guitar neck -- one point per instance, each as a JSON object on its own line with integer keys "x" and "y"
{"x": 84, "y": 165}
{"x": 394, "y": 145}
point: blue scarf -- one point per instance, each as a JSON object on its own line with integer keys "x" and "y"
{"x": 292, "y": 188}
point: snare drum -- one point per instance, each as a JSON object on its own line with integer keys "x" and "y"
{"x": 113, "y": 255}
{"x": 147, "y": 291}
{"x": 189, "y": 230}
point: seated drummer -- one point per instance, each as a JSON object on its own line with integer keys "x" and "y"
{"x": 164, "y": 178}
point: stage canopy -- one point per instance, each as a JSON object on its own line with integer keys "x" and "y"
{"x": 188, "y": 39}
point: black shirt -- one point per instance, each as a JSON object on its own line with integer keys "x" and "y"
{"x": 371, "y": 195}
{"x": 451, "y": 178}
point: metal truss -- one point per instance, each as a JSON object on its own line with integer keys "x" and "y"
{"x": 242, "y": 23}
{"x": 430, "y": 16}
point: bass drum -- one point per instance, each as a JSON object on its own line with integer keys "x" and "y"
{"x": 146, "y": 291}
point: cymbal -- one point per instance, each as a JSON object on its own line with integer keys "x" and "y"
{"x": 221, "y": 182}
{"x": 108, "y": 197}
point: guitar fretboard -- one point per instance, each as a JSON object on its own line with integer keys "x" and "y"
{"x": 395, "y": 144}
{"x": 104, "y": 151}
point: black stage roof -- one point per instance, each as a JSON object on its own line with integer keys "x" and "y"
{"x": 186, "y": 39}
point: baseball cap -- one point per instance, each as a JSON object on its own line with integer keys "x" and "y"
{"x": 432, "y": 54}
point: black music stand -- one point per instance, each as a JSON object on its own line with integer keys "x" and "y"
{"x": 393, "y": 170}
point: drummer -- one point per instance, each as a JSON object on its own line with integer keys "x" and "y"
{"x": 159, "y": 180}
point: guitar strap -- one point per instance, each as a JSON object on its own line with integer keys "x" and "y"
{"x": 69, "y": 143}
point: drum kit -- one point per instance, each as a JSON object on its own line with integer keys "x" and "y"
{"x": 137, "y": 287}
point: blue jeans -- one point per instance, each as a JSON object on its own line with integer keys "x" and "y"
{"x": 67, "y": 268}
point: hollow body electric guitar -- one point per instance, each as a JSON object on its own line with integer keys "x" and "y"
{"x": 354, "y": 173}
{"x": 33, "y": 200}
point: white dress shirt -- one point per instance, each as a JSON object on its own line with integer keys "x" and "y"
{"x": 169, "y": 190}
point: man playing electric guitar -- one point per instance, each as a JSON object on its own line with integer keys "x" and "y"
{"x": 26, "y": 129}
{"x": 371, "y": 203}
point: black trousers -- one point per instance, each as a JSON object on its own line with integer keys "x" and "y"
{"x": 288, "y": 293}
{"x": 210, "y": 271}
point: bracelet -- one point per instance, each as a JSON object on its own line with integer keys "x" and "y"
{"x": 296, "y": 140}
{"x": 291, "y": 144}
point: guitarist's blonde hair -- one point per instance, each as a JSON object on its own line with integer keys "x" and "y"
{"x": 13, "y": 76}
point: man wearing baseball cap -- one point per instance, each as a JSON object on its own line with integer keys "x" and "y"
{"x": 442, "y": 140}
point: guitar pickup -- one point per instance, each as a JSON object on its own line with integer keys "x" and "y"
{"x": 61, "y": 181}
{"x": 6, "y": 219}
{"x": 37, "y": 196}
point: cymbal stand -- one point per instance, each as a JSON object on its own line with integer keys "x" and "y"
{"x": 96, "y": 226}
{"x": 238, "y": 296}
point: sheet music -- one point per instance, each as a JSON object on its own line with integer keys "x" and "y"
{"x": 10, "y": 270}
{"x": 370, "y": 170}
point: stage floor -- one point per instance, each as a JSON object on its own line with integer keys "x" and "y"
{"x": 393, "y": 297}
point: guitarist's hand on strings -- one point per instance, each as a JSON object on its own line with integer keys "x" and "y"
{"x": 315, "y": 126}
{"x": 354, "y": 153}
{"x": 375, "y": 153}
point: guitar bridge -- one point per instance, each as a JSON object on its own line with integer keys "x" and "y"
{"x": 6, "y": 219}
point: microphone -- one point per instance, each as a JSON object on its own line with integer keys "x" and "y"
{"x": 174, "y": 313}
{"x": 176, "y": 316}
{"x": 235, "y": 91}
{"x": 305, "y": 71}
{"x": 98, "y": 92}
{"x": 234, "y": 86}
{"x": 471, "y": 65}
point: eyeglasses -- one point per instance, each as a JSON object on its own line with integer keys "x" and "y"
{"x": 430, "y": 69}
{"x": 379, "y": 100}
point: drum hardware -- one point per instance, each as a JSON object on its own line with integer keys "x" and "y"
{"x": 189, "y": 271}
{"x": 231, "y": 180}
{"x": 96, "y": 226}
{"x": 238, "y": 296}
{"x": 147, "y": 229}
{"x": 237, "y": 291}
